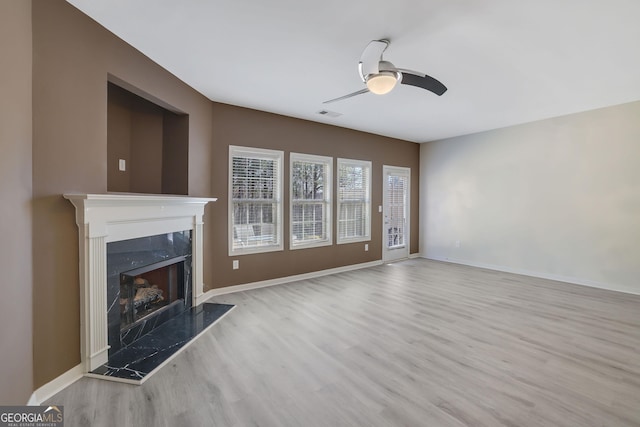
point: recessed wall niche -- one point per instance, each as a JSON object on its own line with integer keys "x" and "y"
{"x": 149, "y": 142}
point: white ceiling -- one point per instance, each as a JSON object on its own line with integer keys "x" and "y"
{"x": 505, "y": 62}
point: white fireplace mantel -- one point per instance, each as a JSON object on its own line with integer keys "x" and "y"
{"x": 104, "y": 218}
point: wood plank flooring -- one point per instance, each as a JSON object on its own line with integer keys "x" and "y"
{"x": 415, "y": 343}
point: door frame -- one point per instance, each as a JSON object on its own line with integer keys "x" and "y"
{"x": 398, "y": 170}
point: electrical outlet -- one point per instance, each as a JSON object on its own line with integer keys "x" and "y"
{"x": 236, "y": 264}
{"x": 366, "y": 247}
{"x": 122, "y": 165}
{"x": 457, "y": 243}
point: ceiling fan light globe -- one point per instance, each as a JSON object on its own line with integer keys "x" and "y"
{"x": 382, "y": 82}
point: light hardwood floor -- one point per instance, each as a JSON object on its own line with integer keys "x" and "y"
{"x": 416, "y": 343}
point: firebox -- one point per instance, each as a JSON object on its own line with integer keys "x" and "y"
{"x": 150, "y": 289}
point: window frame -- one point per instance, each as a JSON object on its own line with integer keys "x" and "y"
{"x": 327, "y": 200}
{"x": 367, "y": 165}
{"x": 258, "y": 153}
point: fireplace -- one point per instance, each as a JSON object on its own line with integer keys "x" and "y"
{"x": 125, "y": 237}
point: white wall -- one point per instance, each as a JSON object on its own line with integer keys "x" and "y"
{"x": 558, "y": 198}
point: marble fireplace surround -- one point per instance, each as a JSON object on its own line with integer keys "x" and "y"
{"x": 111, "y": 217}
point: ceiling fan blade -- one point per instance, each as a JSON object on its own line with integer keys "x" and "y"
{"x": 360, "y": 92}
{"x": 415, "y": 78}
{"x": 370, "y": 57}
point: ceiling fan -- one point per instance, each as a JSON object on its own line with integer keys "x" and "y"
{"x": 381, "y": 76}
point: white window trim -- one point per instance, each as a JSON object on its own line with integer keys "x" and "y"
{"x": 363, "y": 163}
{"x": 278, "y": 155}
{"x": 328, "y": 200}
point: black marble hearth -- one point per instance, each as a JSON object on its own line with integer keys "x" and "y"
{"x": 134, "y": 362}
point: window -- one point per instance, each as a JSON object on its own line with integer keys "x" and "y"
{"x": 255, "y": 203}
{"x": 310, "y": 200}
{"x": 354, "y": 200}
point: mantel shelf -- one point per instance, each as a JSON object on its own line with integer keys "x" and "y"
{"x": 135, "y": 198}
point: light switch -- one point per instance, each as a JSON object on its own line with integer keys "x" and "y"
{"x": 122, "y": 165}
{"x": 236, "y": 264}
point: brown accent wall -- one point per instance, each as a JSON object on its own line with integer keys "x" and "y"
{"x": 73, "y": 57}
{"x": 251, "y": 128}
{"x": 118, "y": 140}
{"x": 153, "y": 142}
{"x": 146, "y": 150}
{"x": 175, "y": 153}
{"x": 16, "y": 367}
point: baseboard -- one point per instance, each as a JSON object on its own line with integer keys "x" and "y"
{"x": 33, "y": 401}
{"x": 412, "y": 256}
{"x": 56, "y": 385}
{"x": 540, "y": 275}
{"x": 288, "y": 279}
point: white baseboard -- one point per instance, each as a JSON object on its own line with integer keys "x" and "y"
{"x": 54, "y": 386}
{"x": 556, "y": 277}
{"x": 288, "y": 279}
{"x": 33, "y": 401}
{"x": 412, "y": 256}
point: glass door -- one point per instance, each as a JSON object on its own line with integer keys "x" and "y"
{"x": 395, "y": 209}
